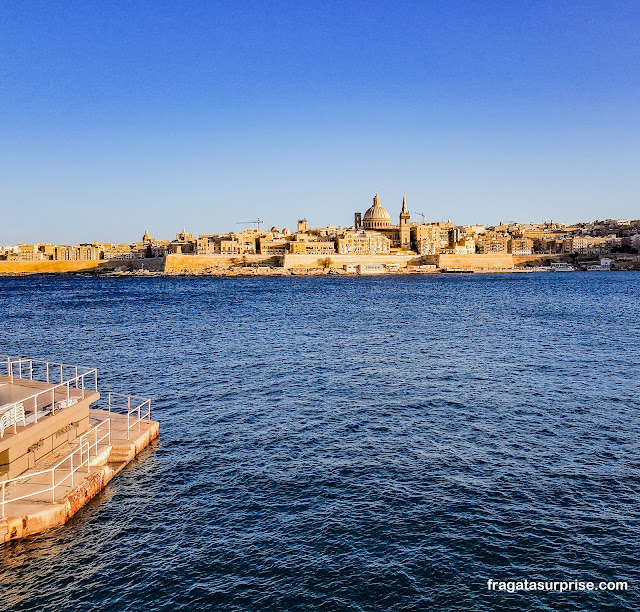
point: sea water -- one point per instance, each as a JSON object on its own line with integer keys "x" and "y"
{"x": 347, "y": 443}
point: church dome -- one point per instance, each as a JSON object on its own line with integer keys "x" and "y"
{"x": 377, "y": 216}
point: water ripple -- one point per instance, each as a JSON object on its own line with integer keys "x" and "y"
{"x": 347, "y": 443}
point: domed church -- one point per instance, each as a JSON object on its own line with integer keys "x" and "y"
{"x": 378, "y": 219}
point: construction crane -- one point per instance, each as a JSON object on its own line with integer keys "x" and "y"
{"x": 421, "y": 215}
{"x": 258, "y": 222}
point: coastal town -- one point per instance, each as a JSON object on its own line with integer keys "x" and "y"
{"x": 373, "y": 244}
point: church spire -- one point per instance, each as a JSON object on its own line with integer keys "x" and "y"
{"x": 404, "y": 227}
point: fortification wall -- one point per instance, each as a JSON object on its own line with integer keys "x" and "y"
{"x": 477, "y": 262}
{"x": 338, "y": 261}
{"x": 185, "y": 264}
{"x": 152, "y": 264}
{"x": 539, "y": 259}
{"x": 13, "y": 268}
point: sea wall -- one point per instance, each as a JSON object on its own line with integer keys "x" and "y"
{"x": 539, "y": 259}
{"x": 201, "y": 264}
{"x": 185, "y": 264}
{"x": 154, "y": 264}
{"x": 476, "y": 262}
{"x": 13, "y": 268}
{"x": 338, "y": 261}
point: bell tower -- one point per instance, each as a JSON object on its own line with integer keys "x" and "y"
{"x": 405, "y": 229}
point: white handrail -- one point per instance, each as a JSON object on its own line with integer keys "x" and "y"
{"x": 52, "y": 390}
{"x": 131, "y": 410}
{"x": 94, "y": 431}
{"x": 82, "y": 449}
{"x": 46, "y": 369}
{"x": 137, "y": 409}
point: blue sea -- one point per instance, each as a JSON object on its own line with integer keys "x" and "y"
{"x": 347, "y": 443}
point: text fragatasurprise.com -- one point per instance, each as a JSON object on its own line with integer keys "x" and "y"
{"x": 561, "y": 586}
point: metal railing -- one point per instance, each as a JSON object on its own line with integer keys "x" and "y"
{"x": 47, "y": 397}
{"x": 68, "y": 377}
{"x": 25, "y": 368}
{"x": 70, "y": 383}
{"x": 96, "y": 441}
{"x": 83, "y": 449}
{"x": 137, "y": 409}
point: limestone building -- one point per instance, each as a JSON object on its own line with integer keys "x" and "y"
{"x": 363, "y": 242}
{"x": 378, "y": 219}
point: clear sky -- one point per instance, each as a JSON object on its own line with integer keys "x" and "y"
{"x": 116, "y": 117}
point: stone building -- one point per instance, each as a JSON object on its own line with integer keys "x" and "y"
{"x": 492, "y": 242}
{"x": 425, "y": 238}
{"x": 79, "y": 252}
{"x": 226, "y": 244}
{"x": 520, "y": 246}
{"x": 28, "y": 252}
{"x": 378, "y": 219}
{"x": 405, "y": 227}
{"x": 363, "y": 242}
{"x": 304, "y": 244}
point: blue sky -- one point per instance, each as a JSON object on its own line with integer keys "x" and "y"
{"x": 116, "y": 117}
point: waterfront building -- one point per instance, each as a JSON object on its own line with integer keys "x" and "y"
{"x": 448, "y": 236}
{"x": 378, "y": 219}
{"x": 520, "y": 246}
{"x": 363, "y": 242}
{"x": 184, "y": 236}
{"x": 594, "y": 245}
{"x": 492, "y": 242}
{"x": 226, "y": 244}
{"x": 425, "y": 238}
{"x": 232, "y": 246}
{"x": 28, "y": 252}
{"x": 49, "y": 250}
{"x": 472, "y": 230}
{"x": 206, "y": 244}
{"x": 304, "y": 244}
{"x": 271, "y": 246}
{"x": 183, "y": 243}
{"x": 465, "y": 246}
{"x": 79, "y": 252}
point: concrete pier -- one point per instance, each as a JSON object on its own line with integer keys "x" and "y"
{"x": 44, "y": 510}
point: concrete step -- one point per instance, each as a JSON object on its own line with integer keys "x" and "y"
{"x": 122, "y": 453}
{"x": 103, "y": 457}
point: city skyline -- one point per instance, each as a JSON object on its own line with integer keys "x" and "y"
{"x": 372, "y": 232}
{"x": 415, "y": 217}
{"x": 160, "y": 117}
{"x": 262, "y": 226}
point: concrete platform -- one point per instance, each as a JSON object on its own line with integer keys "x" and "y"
{"x": 44, "y": 510}
{"x": 62, "y": 416}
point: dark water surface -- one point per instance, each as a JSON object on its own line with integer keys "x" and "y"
{"x": 347, "y": 443}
